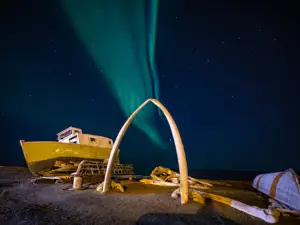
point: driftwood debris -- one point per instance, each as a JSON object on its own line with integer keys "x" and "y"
{"x": 59, "y": 168}
{"x": 282, "y": 208}
{"x": 166, "y": 177}
{"x": 288, "y": 212}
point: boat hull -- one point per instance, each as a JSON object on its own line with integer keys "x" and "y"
{"x": 41, "y": 156}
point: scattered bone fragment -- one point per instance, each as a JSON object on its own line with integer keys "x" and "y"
{"x": 114, "y": 185}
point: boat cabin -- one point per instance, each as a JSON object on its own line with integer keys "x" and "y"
{"x": 74, "y": 135}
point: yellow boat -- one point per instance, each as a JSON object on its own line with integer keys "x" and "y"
{"x": 72, "y": 146}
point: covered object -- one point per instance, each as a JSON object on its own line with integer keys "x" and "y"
{"x": 282, "y": 186}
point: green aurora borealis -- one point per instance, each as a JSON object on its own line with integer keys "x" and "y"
{"x": 120, "y": 37}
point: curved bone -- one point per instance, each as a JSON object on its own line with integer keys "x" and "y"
{"x": 178, "y": 145}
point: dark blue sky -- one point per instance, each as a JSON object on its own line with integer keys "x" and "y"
{"x": 228, "y": 72}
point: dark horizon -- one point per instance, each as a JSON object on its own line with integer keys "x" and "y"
{"x": 214, "y": 174}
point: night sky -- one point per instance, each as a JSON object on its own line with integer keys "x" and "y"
{"x": 228, "y": 73}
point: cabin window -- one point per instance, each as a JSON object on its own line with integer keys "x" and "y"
{"x": 92, "y": 139}
{"x": 109, "y": 142}
{"x": 76, "y": 131}
{"x": 73, "y": 139}
{"x": 65, "y": 134}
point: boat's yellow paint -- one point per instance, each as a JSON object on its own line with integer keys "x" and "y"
{"x": 44, "y": 150}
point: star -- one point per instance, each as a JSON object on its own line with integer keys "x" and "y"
{"x": 1, "y": 114}
{"x": 29, "y": 95}
{"x": 93, "y": 98}
{"x": 232, "y": 96}
{"x": 176, "y": 17}
{"x": 176, "y": 86}
{"x": 54, "y": 50}
{"x": 275, "y": 39}
{"x": 223, "y": 42}
{"x": 70, "y": 73}
{"x": 238, "y": 38}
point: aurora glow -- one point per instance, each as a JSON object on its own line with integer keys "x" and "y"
{"x": 120, "y": 37}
